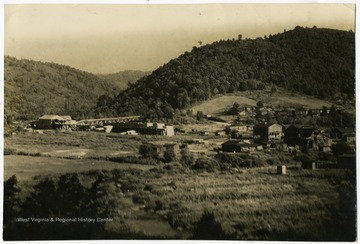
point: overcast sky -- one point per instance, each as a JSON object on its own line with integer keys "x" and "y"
{"x": 112, "y": 38}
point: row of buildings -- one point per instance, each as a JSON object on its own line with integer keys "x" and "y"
{"x": 287, "y": 138}
{"x": 286, "y": 111}
{"x": 131, "y": 125}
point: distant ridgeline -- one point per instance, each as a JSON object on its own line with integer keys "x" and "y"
{"x": 314, "y": 61}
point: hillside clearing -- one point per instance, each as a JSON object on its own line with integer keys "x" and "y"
{"x": 281, "y": 98}
{"x": 220, "y": 103}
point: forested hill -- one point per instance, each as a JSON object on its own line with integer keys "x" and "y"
{"x": 314, "y": 61}
{"x": 35, "y": 88}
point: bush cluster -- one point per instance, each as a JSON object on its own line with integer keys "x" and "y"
{"x": 227, "y": 160}
{"x": 206, "y": 164}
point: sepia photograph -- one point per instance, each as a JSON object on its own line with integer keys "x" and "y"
{"x": 185, "y": 121}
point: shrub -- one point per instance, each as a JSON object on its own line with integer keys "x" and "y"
{"x": 234, "y": 160}
{"x": 270, "y": 161}
{"x": 11, "y": 207}
{"x": 173, "y": 166}
{"x": 148, "y": 151}
{"x": 182, "y": 217}
{"x": 131, "y": 186}
{"x": 141, "y": 197}
{"x": 155, "y": 189}
{"x": 208, "y": 228}
{"x": 187, "y": 159}
{"x": 239, "y": 160}
{"x": 169, "y": 155}
{"x": 65, "y": 196}
{"x": 208, "y": 164}
{"x": 161, "y": 205}
{"x": 9, "y": 151}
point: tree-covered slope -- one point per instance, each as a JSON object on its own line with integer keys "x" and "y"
{"x": 35, "y": 88}
{"x": 314, "y": 61}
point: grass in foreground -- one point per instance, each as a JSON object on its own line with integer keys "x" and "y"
{"x": 253, "y": 204}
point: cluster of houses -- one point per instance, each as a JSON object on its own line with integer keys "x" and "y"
{"x": 250, "y": 111}
{"x": 275, "y": 136}
{"x": 242, "y": 138}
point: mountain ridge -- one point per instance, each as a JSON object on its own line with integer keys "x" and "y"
{"x": 33, "y": 88}
{"x": 315, "y": 61}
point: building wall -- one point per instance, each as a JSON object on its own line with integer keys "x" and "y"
{"x": 166, "y": 131}
{"x": 230, "y": 148}
{"x": 240, "y": 128}
{"x": 275, "y": 131}
{"x": 261, "y": 131}
{"x": 44, "y": 124}
{"x": 169, "y": 130}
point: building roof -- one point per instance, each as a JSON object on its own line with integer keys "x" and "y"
{"x": 52, "y": 117}
{"x": 306, "y": 132}
{"x": 67, "y": 117}
{"x": 248, "y": 145}
{"x": 266, "y": 125}
{"x": 231, "y": 143}
{"x": 344, "y": 130}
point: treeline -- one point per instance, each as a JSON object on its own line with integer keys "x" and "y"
{"x": 314, "y": 61}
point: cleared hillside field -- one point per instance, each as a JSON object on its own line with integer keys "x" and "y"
{"x": 286, "y": 98}
{"x": 279, "y": 98}
{"x": 220, "y": 103}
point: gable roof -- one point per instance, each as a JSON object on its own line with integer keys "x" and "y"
{"x": 266, "y": 125}
{"x": 53, "y": 117}
{"x": 344, "y": 130}
{"x": 231, "y": 143}
{"x": 67, "y": 117}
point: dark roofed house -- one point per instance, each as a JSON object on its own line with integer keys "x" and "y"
{"x": 230, "y": 146}
{"x": 342, "y": 133}
{"x": 308, "y": 137}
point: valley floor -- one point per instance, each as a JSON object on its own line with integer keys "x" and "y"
{"x": 169, "y": 201}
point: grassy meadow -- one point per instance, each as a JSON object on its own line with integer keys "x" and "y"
{"x": 281, "y": 97}
{"x": 169, "y": 201}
